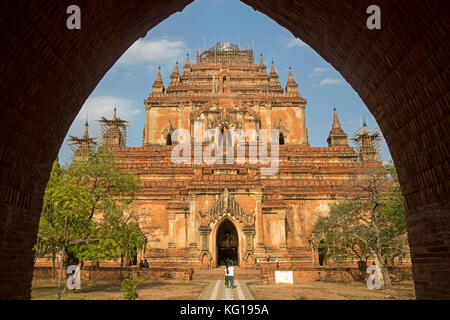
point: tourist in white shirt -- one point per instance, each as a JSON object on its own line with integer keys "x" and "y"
{"x": 231, "y": 274}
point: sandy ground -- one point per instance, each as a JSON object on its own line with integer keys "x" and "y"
{"x": 45, "y": 289}
{"x": 321, "y": 290}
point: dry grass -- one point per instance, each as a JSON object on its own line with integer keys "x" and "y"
{"x": 45, "y": 289}
{"x": 321, "y": 290}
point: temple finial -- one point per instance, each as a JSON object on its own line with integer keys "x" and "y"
{"x": 86, "y": 128}
{"x": 273, "y": 73}
{"x": 261, "y": 66}
{"x": 115, "y": 114}
{"x": 158, "y": 85}
{"x": 337, "y": 136}
{"x": 291, "y": 85}
{"x": 336, "y": 123}
{"x": 158, "y": 77}
{"x": 290, "y": 77}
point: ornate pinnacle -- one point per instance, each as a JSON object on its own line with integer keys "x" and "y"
{"x": 336, "y": 123}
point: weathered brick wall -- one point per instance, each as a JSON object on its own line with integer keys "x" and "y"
{"x": 400, "y": 72}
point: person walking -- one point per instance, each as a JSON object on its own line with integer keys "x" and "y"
{"x": 231, "y": 274}
{"x": 226, "y": 276}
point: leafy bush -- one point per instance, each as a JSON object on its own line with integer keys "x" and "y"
{"x": 129, "y": 287}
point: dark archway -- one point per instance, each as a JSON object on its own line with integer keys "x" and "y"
{"x": 321, "y": 251}
{"x": 281, "y": 139}
{"x": 227, "y": 243}
{"x": 400, "y": 72}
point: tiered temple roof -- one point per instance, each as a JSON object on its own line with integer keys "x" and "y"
{"x": 242, "y": 75}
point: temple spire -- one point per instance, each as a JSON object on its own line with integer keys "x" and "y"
{"x": 336, "y": 123}
{"x": 113, "y": 131}
{"x": 291, "y": 85}
{"x": 272, "y": 70}
{"x": 115, "y": 114}
{"x": 82, "y": 148}
{"x": 158, "y": 77}
{"x": 367, "y": 144}
{"x": 273, "y": 74}
{"x": 261, "y": 66}
{"x": 187, "y": 65}
{"x": 290, "y": 77}
{"x": 86, "y": 130}
{"x": 186, "y": 68}
{"x": 158, "y": 85}
{"x": 337, "y": 136}
{"x": 364, "y": 127}
{"x": 175, "y": 76}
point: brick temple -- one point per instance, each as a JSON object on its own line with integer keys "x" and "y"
{"x": 198, "y": 214}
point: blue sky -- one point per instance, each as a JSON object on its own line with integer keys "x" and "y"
{"x": 200, "y": 25}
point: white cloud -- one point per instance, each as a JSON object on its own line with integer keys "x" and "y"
{"x": 330, "y": 81}
{"x": 293, "y": 42}
{"x": 317, "y": 72}
{"x": 103, "y": 106}
{"x": 161, "y": 51}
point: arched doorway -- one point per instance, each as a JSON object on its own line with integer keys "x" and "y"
{"x": 322, "y": 250}
{"x": 227, "y": 244}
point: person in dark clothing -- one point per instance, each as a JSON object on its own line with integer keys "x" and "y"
{"x": 226, "y": 277}
{"x": 141, "y": 264}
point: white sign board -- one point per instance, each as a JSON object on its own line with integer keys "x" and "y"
{"x": 284, "y": 277}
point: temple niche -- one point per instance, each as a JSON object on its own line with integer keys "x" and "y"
{"x": 204, "y": 214}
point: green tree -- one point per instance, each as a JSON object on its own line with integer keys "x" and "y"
{"x": 72, "y": 198}
{"x": 371, "y": 225}
{"x": 125, "y": 235}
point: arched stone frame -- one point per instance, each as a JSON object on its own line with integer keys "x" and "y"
{"x": 205, "y": 260}
{"x": 224, "y": 81}
{"x": 248, "y": 255}
{"x": 213, "y": 238}
{"x": 283, "y": 131}
{"x": 167, "y": 133}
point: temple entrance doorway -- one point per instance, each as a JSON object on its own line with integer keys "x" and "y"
{"x": 227, "y": 243}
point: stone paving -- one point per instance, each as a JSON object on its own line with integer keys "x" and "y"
{"x": 216, "y": 290}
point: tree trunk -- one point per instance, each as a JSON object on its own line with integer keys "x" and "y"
{"x": 61, "y": 264}
{"x": 121, "y": 265}
{"x": 53, "y": 265}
